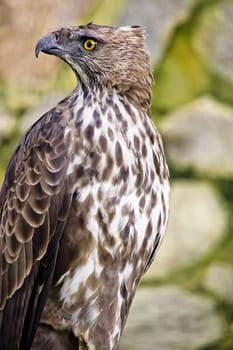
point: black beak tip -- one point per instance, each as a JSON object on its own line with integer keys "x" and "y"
{"x": 37, "y": 51}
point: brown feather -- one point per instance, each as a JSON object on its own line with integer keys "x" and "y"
{"x": 26, "y": 226}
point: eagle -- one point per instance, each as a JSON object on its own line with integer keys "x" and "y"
{"x": 84, "y": 203}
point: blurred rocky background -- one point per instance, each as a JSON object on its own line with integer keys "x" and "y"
{"x": 185, "y": 301}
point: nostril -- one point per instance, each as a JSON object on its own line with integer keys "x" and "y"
{"x": 56, "y": 37}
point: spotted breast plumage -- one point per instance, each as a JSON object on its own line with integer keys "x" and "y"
{"x": 84, "y": 203}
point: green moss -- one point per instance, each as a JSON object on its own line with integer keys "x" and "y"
{"x": 226, "y": 253}
{"x": 177, "y": 173}
{"x": 180, "y": 77}
{"x": 183, "y": 74}
{"x": 65, "y": 80}
{"x": 17, "y": 99}
{"x": 224, "y": 344}
{"x": 203, "y": 16}
{"x": 7, "y": 146}
{"x": 226, "y": 189}
{"x": 104, "y": 12}
{"x": 221, "y": 89}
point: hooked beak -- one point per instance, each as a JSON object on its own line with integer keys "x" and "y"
{"x": 48, "y": 44}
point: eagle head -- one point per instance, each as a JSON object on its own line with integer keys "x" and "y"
{"x": 103, "y": 56}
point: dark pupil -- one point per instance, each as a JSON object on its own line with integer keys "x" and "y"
{"x": 89, "y": 44}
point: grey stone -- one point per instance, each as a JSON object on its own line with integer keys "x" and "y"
{"x": 219, "y": 280}
{"x": 213, "y": 37}
{"x": 158, "y": 17}
{"x": 200, "y": 136}
{"x": 197, "y": 222}
{"x": 170, "y": 318}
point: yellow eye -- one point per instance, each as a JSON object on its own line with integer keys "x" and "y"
{"x": 89, "y": 44}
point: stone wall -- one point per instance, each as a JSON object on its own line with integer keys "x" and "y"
{"x": 186, "y": 298}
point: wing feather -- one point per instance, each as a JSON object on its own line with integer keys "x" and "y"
{"x": 33, "y": 213}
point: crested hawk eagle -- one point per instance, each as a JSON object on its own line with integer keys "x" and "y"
{"x": 84, "y": 203}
